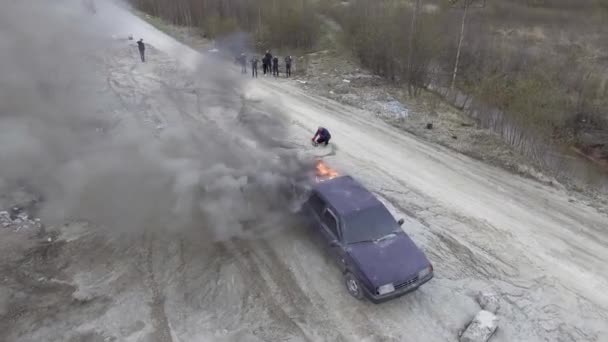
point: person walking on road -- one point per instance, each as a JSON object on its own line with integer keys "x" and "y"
{"x": 275, "y": 67}
{"x": 288, "y": 66}
{"x": 142, "y": 49}
{"x": 264, "y": 65}
{"x": 243, "y": 61}
{"x": 254, "y": 67}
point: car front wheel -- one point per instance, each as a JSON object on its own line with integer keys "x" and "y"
{"x": 353, "y": 286}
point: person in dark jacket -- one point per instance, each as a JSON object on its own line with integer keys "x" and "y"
{"x": 268, "y": 58}
{"x": 275, "y": 67}
{"x": 254, "y": 67}
{"x": 321, "y": 137}
{"x": 142, "y": 49}
{"x": 288, "y": 66}
{"x": 243, "y": 61}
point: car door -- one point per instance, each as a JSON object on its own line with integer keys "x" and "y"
{"x": 315, "y": 206}
{"x": 330, "y": 230}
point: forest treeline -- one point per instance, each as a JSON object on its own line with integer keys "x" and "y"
{"x": 276, "y": 23}
{"x": 542, "y": 63}
{"x": 533, "y": 60}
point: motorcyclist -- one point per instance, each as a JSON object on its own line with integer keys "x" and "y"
{"x": 322, "y": 136}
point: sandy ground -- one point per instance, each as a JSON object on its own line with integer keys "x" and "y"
{"x": 482, "y": 227}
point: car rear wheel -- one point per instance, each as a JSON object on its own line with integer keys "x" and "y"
{"x": 353, "y": 286}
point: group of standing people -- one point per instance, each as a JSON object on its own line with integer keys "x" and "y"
{"x": 270, "y": 65}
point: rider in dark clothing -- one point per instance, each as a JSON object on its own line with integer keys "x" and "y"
{"x": 288, "y": 66}
{"x": 275, "y": 67}
{"x": 323, "y": 136}
{"x": 142, "y": 49}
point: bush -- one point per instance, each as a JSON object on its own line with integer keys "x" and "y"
{"x": 379, "y": 32}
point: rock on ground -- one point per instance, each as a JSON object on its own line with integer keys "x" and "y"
{"x": 481, "y": 328}
{"x": 488, "y": 301}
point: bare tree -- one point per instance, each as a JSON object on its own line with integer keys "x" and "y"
{"x": 466, "y": 4}
{"x": 411, "y": 45}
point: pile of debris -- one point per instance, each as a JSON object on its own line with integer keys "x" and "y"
{"x": 17, "y": 220}
{"x": 394, "y": 109}
{"x": 485, "y": 323}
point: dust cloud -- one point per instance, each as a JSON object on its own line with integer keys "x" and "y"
{"x": 57, "y": 139}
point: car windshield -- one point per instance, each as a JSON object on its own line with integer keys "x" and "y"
{"x": 369, "y": 225}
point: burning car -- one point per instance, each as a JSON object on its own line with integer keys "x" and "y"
{"x": 378, "y": 259}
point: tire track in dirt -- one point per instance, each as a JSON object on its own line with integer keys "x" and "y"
{"x": 162, "y": 330}
{"x": 250, "y": 270}
{"x": 296, "y": 303}
{"x": 307, "y": 307}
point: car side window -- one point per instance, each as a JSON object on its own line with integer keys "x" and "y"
{"x": 329, "y": 220}
{"x": 316, "y": 204}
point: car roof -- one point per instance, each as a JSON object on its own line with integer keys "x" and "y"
{"x": 346, "y": 195}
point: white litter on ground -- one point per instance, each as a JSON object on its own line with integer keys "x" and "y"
{"x": 21, "y": 221}
{"x": 481, "y": 328}
{"x": 395, "y": 109}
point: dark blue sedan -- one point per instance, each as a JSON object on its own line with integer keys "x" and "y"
{"x": 378, "y": 259}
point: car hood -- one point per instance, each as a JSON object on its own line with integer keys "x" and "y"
{"x": 393, "y": 260}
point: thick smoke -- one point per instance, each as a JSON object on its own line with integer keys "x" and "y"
{"x": 74, "y": 105}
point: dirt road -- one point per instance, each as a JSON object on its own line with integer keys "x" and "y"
{"x": 483, "y": 228}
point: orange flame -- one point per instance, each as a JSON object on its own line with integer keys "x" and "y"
{"x": 325, "y": 172}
